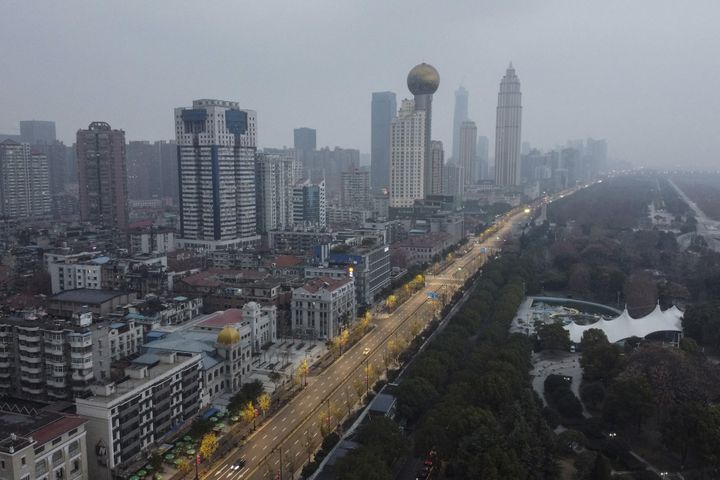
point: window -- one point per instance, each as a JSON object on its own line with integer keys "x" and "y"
{"x": 22, "y": 461}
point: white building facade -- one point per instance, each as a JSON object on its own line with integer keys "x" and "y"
{"x": 216, "y": 152}
{"x": 275, "y": 175}
{"x": 508, "y": 130}
{"x": 323, "y": 306}
{"x": 407, "y": 156}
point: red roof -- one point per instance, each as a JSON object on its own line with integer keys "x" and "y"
{"x": 327, "y": 283}
{"x": 283, "y": 261}
{"x": 57, "y": 428}
{"x": 230, "y": 316}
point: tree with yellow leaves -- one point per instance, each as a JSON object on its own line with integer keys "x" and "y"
{"x": 303, "y": 370}
{"x": 208, "y": 445}
{"x": 264, "y": 402}
{"x": 391, "y": 302}
{"x": 184, "y": 465}
{"x": 247, "y": 414}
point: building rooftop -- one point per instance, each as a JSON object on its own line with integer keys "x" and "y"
{"x": 27, "y": 419}
{"x": 330, "y": 284}
{"x": 428, "y": 240}
{"x": 86, "y": 295}
{"x": 230, "y": 316}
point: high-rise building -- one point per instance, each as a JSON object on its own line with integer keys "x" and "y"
{"x": 305, "y": 139}
{"x": 424, "y": 80}
{"x": 508, "y": 130}
{"x": 452, "y": 180}
{"x": 596, "y": 151}
{"x": 407, "y": 156}
{"x": 37, "y": 132}
{"x": 102, "y": 176}
{"x": 309, "y": 206}
{"x": 355, "y": 190}
{"x": 483, "y": 156}
{"x": 24, "y": 181}
{"x": 143, "y": 170}
{"x": 328, "y": 165}
{"x": 167, "y": 151}
{"x": 460, "y": 115}
{"x": 383, "y": 109}
{"x": 216, "y": 157}
{"x": 411, "y": 176}
{"x": 467, "y": 152}
{"x": 274, "y": 180}
{"x": 437, "y": 161}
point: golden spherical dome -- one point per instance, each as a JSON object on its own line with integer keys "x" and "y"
{"x": 228, "y": 336}
{"x": 423, "y": 79}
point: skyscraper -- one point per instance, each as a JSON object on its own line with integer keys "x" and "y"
{"x": 143, "y": 169}
{"x": 274, "y": 180}
{"x": 411, "y": 175}
{"x": 102, "y": 176}
{"x": 309, "y": 206}
{"x": 384, "y": 107}
{"x": 36, "y": 132}
{"x": 216, "y": 158}
{"x": 437, "y": 161}
{"x": 483, "y": 156}
{"x": 305, "y": 139}
{"x": 467, "y": 153}
{"x": 424, "y": 80}
{"x": 508, "y": 130}
{"x": 24, "y": 181}
{"x": 407, "y": 156}
{"x": 461, "y": 114}
{"x": 355, "y": 190}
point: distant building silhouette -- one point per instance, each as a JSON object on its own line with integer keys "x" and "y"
{"x": 467, "y": 152}
{"x": 508, "y": 130}
{"x": 437, "y": 161}
{"x": 483, "y": 157}
{"x": 305, "y": 139}
{"x": 37, "y": 132}
{"x": 460, "y": 115}
{"x": 383, "y": 110}
{"x": 102, "y": 175}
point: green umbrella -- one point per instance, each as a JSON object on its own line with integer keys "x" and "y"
{"x": 217, "y": 428}
{"x": 220, "y": 414}
{"x": 142, "y": 473}
{"x": 169, "y": 456}
{"x": 191, "y": 451}
{"x": 134, "y": 477}
{"x": 235, "y": 419}
{"x": 213, "y": 419}
{"x": 158, "y": 476}
{"x": 178, "y": 461}
{"x": 149, "y": 468}
{"x": 187, "y": 438}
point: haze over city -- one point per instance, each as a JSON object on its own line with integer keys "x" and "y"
{"x": 640, "y": 74}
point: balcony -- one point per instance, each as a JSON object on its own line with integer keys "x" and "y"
{"x": 54, "y": 341}
{"x": 29, "y": 347}
{"x": 4, "y": 363}
{"x": 35, "y": 370}
{"x": 56, "y": 382}
{"x": 30, "y": 337}
{"x": 82, "y": 377}
{"x": 53, "y": 349}
{"x": 32, "y": 390}
{"x": 59, "y": 394}
{"x": 80, "y": 341}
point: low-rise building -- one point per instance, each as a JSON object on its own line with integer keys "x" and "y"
{"x": 126, "y": 418}
{"x": 322, "y": 307}
{"x": 99, "y": 302}
{"x": 57, "y": 359}
{"x": 420, "y": 249}
{"x": 39, "y": 444}
{"x": 151, "y": 240}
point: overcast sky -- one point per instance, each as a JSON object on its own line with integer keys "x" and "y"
{"x": 645, "y": 74}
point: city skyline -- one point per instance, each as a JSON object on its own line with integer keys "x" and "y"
{"x": 558, "y": 85}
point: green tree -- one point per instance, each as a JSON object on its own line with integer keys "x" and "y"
{"x": 553, "y": 336}
{"x": 629, "y": 399}
{"x": 568, "y": 439}
{"x": 601, "y": 360}
{"x": 415, "y": 396}
{"x": 680, "y": 429}
{"x": 362, "y": 465}
{"x": 601, "y": 469}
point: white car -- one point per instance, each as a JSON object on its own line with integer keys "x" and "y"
{"x": 366, "y": 351}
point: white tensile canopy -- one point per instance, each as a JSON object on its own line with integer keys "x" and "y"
{"x": 625, "y": 326}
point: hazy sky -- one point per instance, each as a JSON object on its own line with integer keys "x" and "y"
{"x": 645, "y": 74}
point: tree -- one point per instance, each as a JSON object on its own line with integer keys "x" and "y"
{"x": 592, "y": 337}
{"x": 601, "y": 469}
{"x": 629, "y": 399}
{"x": 600, "y": 359}
{"x": 303, "y": 370}
{"x": 208, "y": 445}
{"x": 264, "y": 403}
{"x": 680, "y": 429}
{"x": 415, "y": 397}
{"x": 391, "y": 302}
{"x": 568, "y": 440}
{"x": 247, "y": 414}
{"x": 362, "y": 465}
{"x": 553, "y": 336}
{"x": 275, "y": 378}
{"x": 184, "y": 465}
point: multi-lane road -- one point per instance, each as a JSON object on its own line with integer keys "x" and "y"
{"x": 294, "y": 432}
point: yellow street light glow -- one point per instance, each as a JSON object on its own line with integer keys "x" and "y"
{"x": 527, "y": 210}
